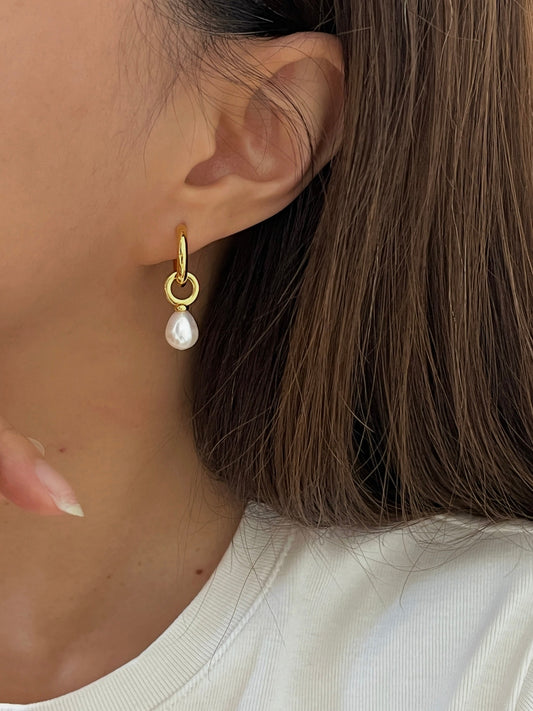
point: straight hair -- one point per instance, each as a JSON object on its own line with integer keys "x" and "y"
{"x": 367, "y": 359}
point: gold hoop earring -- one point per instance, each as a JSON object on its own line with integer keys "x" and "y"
{"x": 182, "y": 330}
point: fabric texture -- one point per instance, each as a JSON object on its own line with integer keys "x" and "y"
{"x": 435, "y": 616}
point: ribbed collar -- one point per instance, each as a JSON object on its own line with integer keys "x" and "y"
{"x": 200, "y": 634}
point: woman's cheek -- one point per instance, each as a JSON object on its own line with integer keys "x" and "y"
{"x": 64, "y": 112}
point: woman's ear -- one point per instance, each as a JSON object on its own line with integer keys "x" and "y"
{"x": 250, "y": 155}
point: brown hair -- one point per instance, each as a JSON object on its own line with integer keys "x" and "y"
{"x": 368, "y": 358}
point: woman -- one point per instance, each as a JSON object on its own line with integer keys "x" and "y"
{"x": 267, "y": 285}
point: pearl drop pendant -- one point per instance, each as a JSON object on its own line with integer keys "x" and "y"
{"x": 182, "y": 330}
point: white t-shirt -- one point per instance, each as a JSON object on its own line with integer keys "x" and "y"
{"x": 414, "y": 619}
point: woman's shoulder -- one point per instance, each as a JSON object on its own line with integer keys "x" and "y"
{"x": 441, "y": 545}
{"x": 440, "y": 610}
{"x": 451, "y": 570}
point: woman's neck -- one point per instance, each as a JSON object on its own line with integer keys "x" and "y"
{"x": 101, "y": 388}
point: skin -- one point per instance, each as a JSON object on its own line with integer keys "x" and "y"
{"x": 91, "y": 195}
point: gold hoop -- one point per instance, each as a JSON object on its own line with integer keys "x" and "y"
{"x": 181, "y": 304}
{"x": 180, "y": 263}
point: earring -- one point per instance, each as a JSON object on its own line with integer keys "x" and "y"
{"x": 182, "y": 330}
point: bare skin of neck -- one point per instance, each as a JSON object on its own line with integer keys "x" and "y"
{"x": 109, "y": 399}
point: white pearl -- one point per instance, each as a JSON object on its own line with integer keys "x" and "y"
{"x": 182, "y": 330}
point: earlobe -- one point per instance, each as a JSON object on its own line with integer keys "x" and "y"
{"x": 262, "y": 156}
